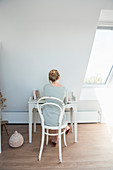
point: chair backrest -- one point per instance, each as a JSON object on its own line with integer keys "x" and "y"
{"x": 51, "y": 101}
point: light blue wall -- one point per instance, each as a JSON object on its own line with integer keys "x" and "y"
{"x": 38, "y": 35}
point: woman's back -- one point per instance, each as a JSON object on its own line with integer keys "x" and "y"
{"x": 51, "y": 113}
{"x": 52, "y": 91}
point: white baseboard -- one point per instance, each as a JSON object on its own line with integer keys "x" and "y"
{"x": 23, "y": 117}
{"x": 88, "y": 117}
{"x": 15, "y": 117}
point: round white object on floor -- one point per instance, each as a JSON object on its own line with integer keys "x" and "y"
{"x": 16, "y": 140}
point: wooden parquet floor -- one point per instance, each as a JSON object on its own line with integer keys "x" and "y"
{"x": 93, "y": 151}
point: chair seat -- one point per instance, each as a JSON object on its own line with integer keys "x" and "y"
{"x": 55, "y": 127}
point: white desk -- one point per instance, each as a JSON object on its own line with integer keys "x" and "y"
{"x": 33, "y": 104}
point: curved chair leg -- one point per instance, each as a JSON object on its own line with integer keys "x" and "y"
{"x": 47, "y": 137}
{"x": 42, "y": 144}
{"x": 59, "y": 140}
{"x": 65, "y": 139}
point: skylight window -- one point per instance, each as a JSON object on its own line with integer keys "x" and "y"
{"x": 100, "y": 67}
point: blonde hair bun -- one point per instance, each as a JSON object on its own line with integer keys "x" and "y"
{"x": 53, "y": 75}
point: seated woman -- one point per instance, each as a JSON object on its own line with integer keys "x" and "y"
{"x": 54, "y": 89}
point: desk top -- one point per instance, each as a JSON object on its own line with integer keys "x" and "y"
{"x": 32, "y": 101}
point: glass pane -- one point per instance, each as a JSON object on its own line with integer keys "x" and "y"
{"x": 101, "y": 59}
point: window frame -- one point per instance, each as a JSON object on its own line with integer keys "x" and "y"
{"x": 107, "y": 81}
{"x": 110, "y": 74}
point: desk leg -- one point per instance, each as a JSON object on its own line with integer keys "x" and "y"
{"x": 30, "y": 124}
{"x": 0, "y": 136}
{"x": 34, "y": 127}
{"x": 71, "y": 112}
{"x": 35, "y": 116}
{"x": 75, "y": 122}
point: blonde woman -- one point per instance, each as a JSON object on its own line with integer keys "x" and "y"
{"x": 54, "y": 89}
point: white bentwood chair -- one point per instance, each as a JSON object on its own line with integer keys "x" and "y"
{"x": 42, "y": 102}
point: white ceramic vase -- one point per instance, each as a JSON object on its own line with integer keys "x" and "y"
{"x": 16, "y": 140}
